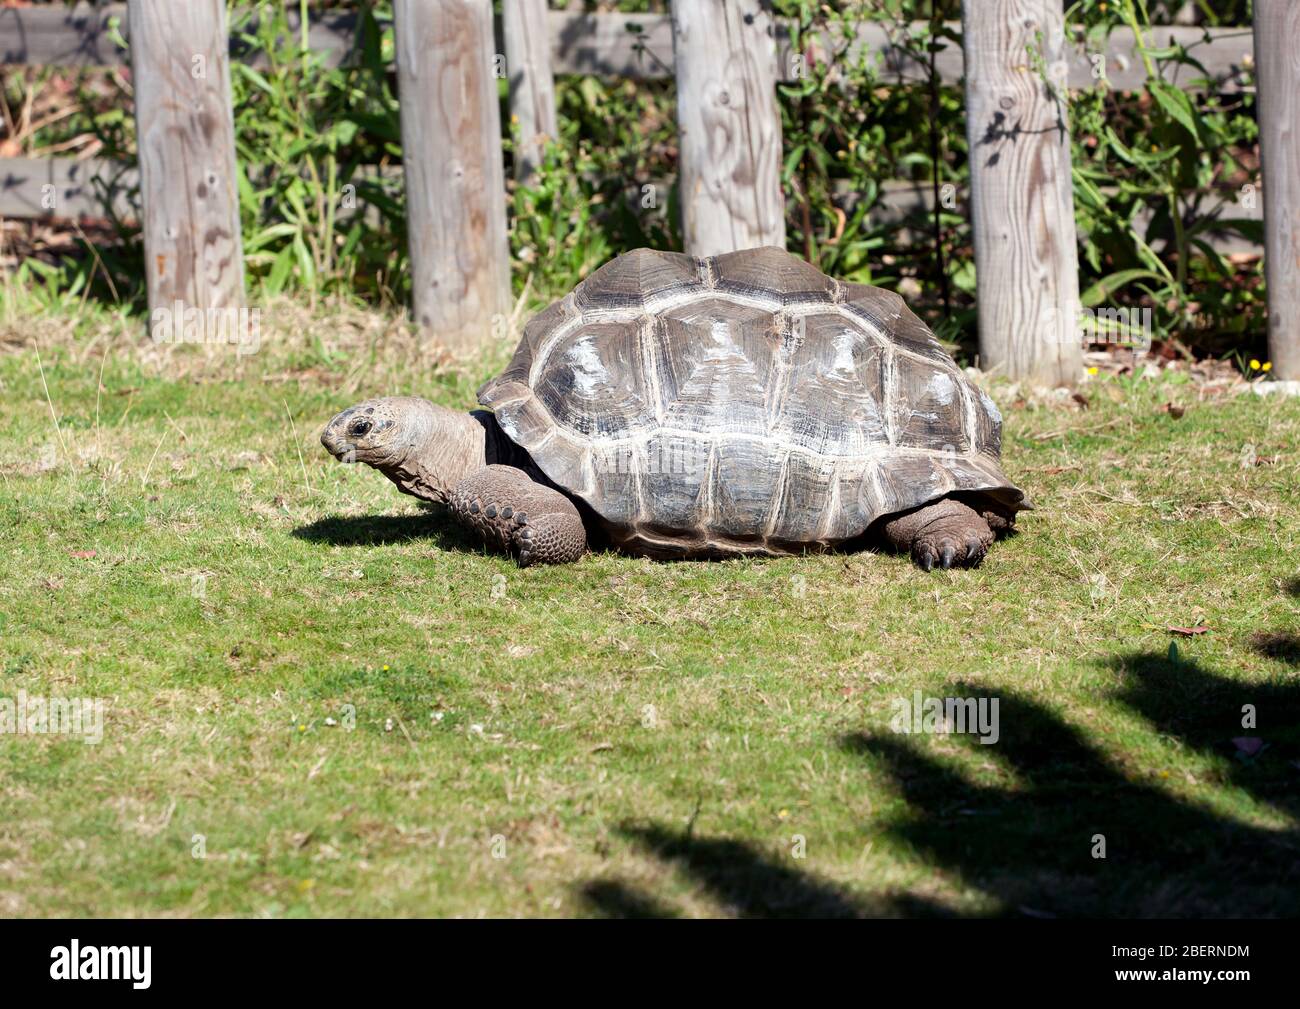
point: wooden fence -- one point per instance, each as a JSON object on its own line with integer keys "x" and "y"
{"x": 727, "y": 56}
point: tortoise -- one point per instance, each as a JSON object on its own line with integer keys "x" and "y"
{"x": 738, "y": 404}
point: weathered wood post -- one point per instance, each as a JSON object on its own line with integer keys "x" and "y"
{"x": 1022, "y": 207}
{"x": 186, "y": 139}
{"x": 729, "y": 126}
{"x": 532, "y": 85}
{"x": 1277, "y": 93}
{"x": 455, "y": 180}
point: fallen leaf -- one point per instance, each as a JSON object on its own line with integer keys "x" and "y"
{"x": 83, "y": 555}
{"x": 1189, "y": 632}
{"x": 1173, "y": 410}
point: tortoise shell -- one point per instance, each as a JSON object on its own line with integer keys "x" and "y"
{"x": 744, "y": 403}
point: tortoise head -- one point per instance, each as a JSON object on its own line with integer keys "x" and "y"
{"x": 380, "y": 432}
{"x": 423, "y": 448}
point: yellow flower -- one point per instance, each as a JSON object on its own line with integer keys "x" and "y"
{"x": 1254, "y": 365}
{"x": 302, "y": 728}
{"x": 385, "y": 669}
{"x": 1266, "y": 366}
{"x": 1092, "y": 370}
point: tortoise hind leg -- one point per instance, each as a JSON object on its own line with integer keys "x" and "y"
{"x": 514, "y": 513}
{"x": 947, "y": 533}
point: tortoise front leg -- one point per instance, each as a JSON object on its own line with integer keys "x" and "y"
{"x": 514, "y": 513}
{"x": 947, "y": 532}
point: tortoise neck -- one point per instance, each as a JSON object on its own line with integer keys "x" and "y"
{"x": 446, "y": 446}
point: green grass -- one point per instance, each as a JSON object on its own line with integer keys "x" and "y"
{"x": 632, "y": 737}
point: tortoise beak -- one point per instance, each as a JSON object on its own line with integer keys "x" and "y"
{"x": 335, "y": 438}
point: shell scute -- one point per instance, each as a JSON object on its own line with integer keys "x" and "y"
{"x": 715, "y": 358}
{"x": 832, "y": 399}
{"x": 887, "y": 313}
{"x": 930, "y": 407}
{"x": 675, "y": 483}
{"x": 594, "y": 383}
{"x": 804, "y": 497}
{"x": 773, "y": 274}
{"x": 638, "y": 277}
{"x": 747, "y": 475}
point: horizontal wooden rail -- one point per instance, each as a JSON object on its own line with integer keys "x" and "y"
{"x": 80, "y": 189}
{"x": 641, "y": 46}
{"x": 64, "y": 188}
{"x": 83, "y": 35}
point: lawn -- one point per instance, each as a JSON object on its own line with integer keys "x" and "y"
{"x": 322, "y": 700}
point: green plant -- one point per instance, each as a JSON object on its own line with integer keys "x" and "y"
{"x": 1180, "y": 152}
{"x": 304, "y": 130}
{"x": 605, "y": 185}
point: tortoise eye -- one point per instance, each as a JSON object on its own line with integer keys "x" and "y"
{"x": 359, "y": 428}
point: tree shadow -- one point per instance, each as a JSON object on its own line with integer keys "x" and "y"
{"x": 1282, "y": 646}
{"x": 746, "y": 881}
{"x": 613, "y": 898}
{"x": 1279, "y": 645}
{"x": 1030, "y": 844}
{"x": 431, "y": 524}
{"x": 1206, "y": 712}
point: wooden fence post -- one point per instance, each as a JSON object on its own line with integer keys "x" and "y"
{"x": 1022, "y": 206}
{"x": 452, "y": 156}
{"x": 729, "y": 126}
{"x": 186, "y": 139}
{"x": 532, "y": 85}
{"x": 1277, "y": 94}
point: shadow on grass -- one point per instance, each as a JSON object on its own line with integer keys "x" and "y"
{"x": 746, "y": 881}
{"x": 612, "y": 898}
{"x": 1283, "y": 646}
{"x": 432, "y": 524}
{"x": 1279, "y": 645}
{"x": 1029, "y": 845}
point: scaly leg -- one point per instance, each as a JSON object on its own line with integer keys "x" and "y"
{"x": 516, "y": 514}
{"x": 947, "y": 532}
